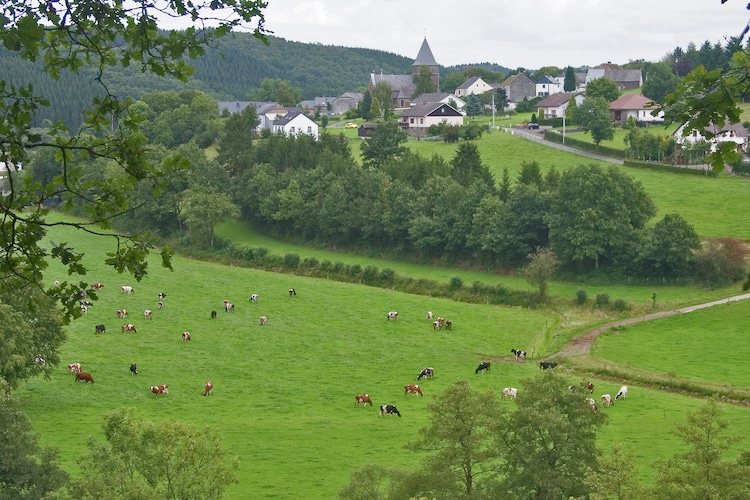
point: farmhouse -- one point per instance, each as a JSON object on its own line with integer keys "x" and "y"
{"x": 635, "y": 106}
{"x": 735, "y": 133}
{"x": 555, "y": 105}
{"x": 517, "y": 87}
{"x": 418, "y": 119}
{"x": 295, "y": 122}
{"x": 473, "y": 85}
{"x": 624, "y": 78}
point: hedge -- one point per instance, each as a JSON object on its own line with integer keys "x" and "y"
{"x": 555, "y": 136}
{"x": 663, "y": 167}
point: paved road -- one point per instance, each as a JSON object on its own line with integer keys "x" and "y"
{"x": 538, "y": 136}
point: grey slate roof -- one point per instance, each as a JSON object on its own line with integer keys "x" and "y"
{"x": 427, "y": 109}
{"x": 425, "y": 57}
{"x": 431, "y": 97}
{"x": 291, "y": 114}
{"x": 468, "y": 83}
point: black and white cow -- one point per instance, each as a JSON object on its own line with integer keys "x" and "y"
{"x": 292, "y": 292}
{"x": 520, "y": 355}
{"x": 426, "y": 373}
{"x": 544, "y": 365}
{"x": 622, "y": 393}
{"x": 389, "y": 410}
{"x": 162, "y": 295}
{"x": 133, "y": 369}
{"x": 483, "y": 367}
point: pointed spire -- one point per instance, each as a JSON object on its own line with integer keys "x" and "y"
{"x": 425, "y": 57}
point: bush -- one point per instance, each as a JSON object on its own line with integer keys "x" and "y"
{"x": 354, "y": 270}
{"x": 310, "y": 263}
{"x": 721, "y": 261}
{"x": 581, "y": 297}
{"x": 326, "y": 265}
{"x": 338, "y": 267}
{"x": 602, "y": 300}
{"x": 291, "y": 261}
{"x": 456, "y": 283}
{"x": 620, "y": 305}
{"x": 370, "y": 274}
{"x": 387, "y": 275}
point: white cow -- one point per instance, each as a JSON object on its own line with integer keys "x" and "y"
{"x": 147, "y": 314}
{"x": 254, "y": 297}
{"x": 127, "y": 289}
{"x": 429, "y": 315}
{"x": 392, "y": 315}
{"x": 607, "y": 400}
{"x": 591, "y": 403}
{"x": 263, "y": 320}
{"x": 510, "y": 392}
{"x": 623, "y": 392}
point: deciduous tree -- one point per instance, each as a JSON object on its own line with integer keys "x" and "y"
{"x": 385, "y": 142}
{"x": 541, "y": 267}
{"x": 593, "y": 116}
{"x": 604, "y": 88}
{"x": 203, "y": 209}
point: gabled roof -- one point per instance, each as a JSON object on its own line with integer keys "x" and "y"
{"x": 546, "y": 80}
{"x": 427, "y": 109}
{"x": 425, "y": 57}
{"x": 512, "y": 79}
{"x": 403, "y": 83}
{"x": 291, "y": 115}
{"x": 555, "y": 100}
{"x": 357, "y": 96}
{"x": 632, "y": 101}
{"x": 737, "y": 128}
{"x": 433, "y": 97}
{"x": 623, "y": 75}
{"x": 468, "y": 83}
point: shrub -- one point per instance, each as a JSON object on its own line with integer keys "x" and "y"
{"x": 338, "y": 267}
{"x": 721, "y": 261}
{"x": 354, "y": 270}
{"x": 291, "y": 261}
{"x": 370, "y": 274}
{"x": 602, "y": 300}
{"x": 455, "y": 283}
{"x": 581, "y": 297}
{"x": 310, "y": 263}
{"x": 326, "y": 265}
{"x": 620, "y": 305}
{"x": 387, "y": 275}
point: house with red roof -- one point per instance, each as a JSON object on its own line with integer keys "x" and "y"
{"x": 636, "y": 106}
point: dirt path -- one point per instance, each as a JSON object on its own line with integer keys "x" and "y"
{"x": 581, "y": 345}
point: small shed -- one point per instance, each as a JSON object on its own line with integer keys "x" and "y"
{"x": 366, "y": 129}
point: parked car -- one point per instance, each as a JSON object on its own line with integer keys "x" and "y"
{"x": 350, "y": 125}
{"x": 533, "y": 126}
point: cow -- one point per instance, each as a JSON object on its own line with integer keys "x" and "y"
{"x": 99, "y": 329}
{"x": 56, "y": 284}
{"x": 228, "y": 306}
{"x": 364, "y": 399}
{"x": 127, "y": 289}
{"x": 186, "y": 336}
{"x": 86, "y": 377}
{"x": 429, "y": 315}
{"x": 389, "y": 410}
{"x": 121, "y": 313}
{"x": 607, "y": 400}
{"x": 162, "y": 295}
{"x": 448, "y": 324}
{"x": 520, "y": 355}
{"x": 40, "y": 361}
{"x": 413, "y": 389}
{"x": 483, "y": 367}
{"x": 254, "y": 297}
{"x": 292, "y": 292}
{"x": 426, "y": 373}
{"x": 510, "y": 392}
{"x": 589, "y": 386}
{"x": 96, "y": 286}
{"x": 436, "y": 325}
{"x": 84, "y": 308}
{"x": 133, "y": 369}
{"x": 130, "y": 327}
{"x": 160, "y": 389}
{"x": 160, "y": 304}
{"x": 147, "y": 314}
{"x": 74, "y": 367}
{"x": 392, "y": 315}
{"x": 591, "y": 403}
{"x": 209, "y": 388}
{"x": 213, "y": 314}
{"x": 544, "y": 365}
{"x": 263, "y": 320}
{"x": 622, "y": 393}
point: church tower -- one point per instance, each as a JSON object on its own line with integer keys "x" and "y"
{"x": 426, "y": 59}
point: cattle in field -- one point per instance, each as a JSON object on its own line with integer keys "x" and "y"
{"x": 121, "y": 313}
{"x": 622, "y": 393}
{"x": 74, "y": 367}
{"x": 84, "y": 308}
{"x": 133, "y": 369}
{"x": 263, "y": 320}
{"x": 413, "y": 389}
{"x": 159, "y": 389}
{"x": 448, "y": 324}
{"x": 435, "y": 325}
{"x": 254, "y": 297}
{"x": 591, "y": 403}
{"x": 607, "y": 400}
{"x": 96, "y": 286}
{"x": 429, "y": 315}
{"x": 519, "y": 354}
{"x": 162, "y": 295}
{"x": 545, "y": 365}
{"x": 292, "y": 292}
{"x": 147, "y": 314}
{"x": 389, "y": 410}
{"x": 40, "y": 361}
{"x": 510, "y": 392}
{"x": 127, "y": 289}
{"x": 99, "y": 329}
{"x": 228, "y": 306}
{"x": 483, "y": 367}
{"x": 130, "y": 327}
{"x": 209, "y": 388}
{"x": 392, "y": 315}
{"x": 161, "y": 304}
{"x": 186, "y": 336}
{"x": 86, "y": 377}
{"x": 426, "y": 373}
{"x": 213, "y": 314}
{"x": 56, "y": 284}
{"x": 589, "y": 386}
{"x": 363, "y": 399}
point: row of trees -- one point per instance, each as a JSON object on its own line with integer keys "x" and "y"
{"x": 545, "y": 447}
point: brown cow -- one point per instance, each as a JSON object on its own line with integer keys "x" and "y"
{"x": 160, "y": 389}
{"x": 74, "y": 367}
{"x": 412, "y": 389}
{"x": 186, "y": 336}
{"x": 362, "y": 398}
{"x": 263, "y": 320}
{"x": 129, "y": 328}
{"x": 96, "y": 286}
{"x": 86, "y": 377}
{"x": 121, "y": 313}
{"x": 209, "y": 388}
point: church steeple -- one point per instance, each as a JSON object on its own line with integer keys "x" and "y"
{"x": 426, "y": 59}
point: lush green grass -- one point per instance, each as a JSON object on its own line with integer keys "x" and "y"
{"x": 708, "y": 345}
{"x": 618, "y": 141}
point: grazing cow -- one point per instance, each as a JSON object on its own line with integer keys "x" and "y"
{"x": 56, "y": 284}
{"x": 520, "y": 355}
{"x": 162, "y": 295}
{"x": 209, "y": 388}
{"x": 436, "y": 325}
{"x": 161, "y": 304}
{"x": 74, "y": 367}
{"x": 292, "y": 292}
{"x": 483, "y": 367}
{"x": 213, "y": 314}
{"x": 607, "y": 400}
{"x": 389, "y": 410}
{"x": 96, "y": 286}
{"x": 364, "y": 399}
{"x": 622, "y": 393}
{"x": 121, "y": 313}
{"x": 130, "y": 327}
{"x": 429, "y": 315}
{"x": 86, "y": 377}
{"x": 127, "y": 289}
{"x": 186, "y": 336}
{"x": 40, "y": 361}
{"x": 133, "y": 369}
{"x": 589, "y": 386}
{"x": 84, "y": 308}
{"x": 413, "y": 389}
{"x": 392, "y": 315}
{"x": 159, "y": 389}
{"x": 147, "y": 314}
{"x": 448, "y": 324}
{"x": 99, "y": 329}
{"x": 591, "y": 403}
{"x": 263, "y": 320}
{"x": 441, "y": 322}
{"x": 510, "y": 392}
{"x": 426, "y": 373}
{"x": 254, "y": 297}
{"x": 228, "y": 306}
{"x": 543, "y": 365}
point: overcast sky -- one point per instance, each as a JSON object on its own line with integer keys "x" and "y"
{"x": 518, "y": 33}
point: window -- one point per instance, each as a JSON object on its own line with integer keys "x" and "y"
{"x": 421, "y": 121}
{"x": 309, "y": 130}
{"x": 411, "y": 120}
{"x": 291, "y": 130}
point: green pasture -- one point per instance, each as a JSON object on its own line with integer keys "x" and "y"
{"x": 618, "y": 141}
{"x": 708, "y": 345}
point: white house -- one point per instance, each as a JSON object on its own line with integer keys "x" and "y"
{"x": 420, "y": 117}
{"x": 637, "y": 106}
{"x": 441, "y": 97}
{"x": 728, "y": 133}
{"x": 4, "y": 182}
{"x": 295, "y": 122}
{"x": 473, "y": 85}
{"x": 548, "y": 85}
{"x": 555, "y": 105}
